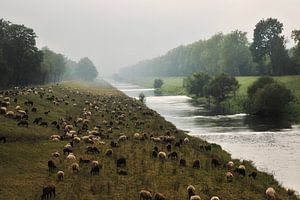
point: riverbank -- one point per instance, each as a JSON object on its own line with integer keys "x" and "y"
{"x": 24, "y": 170}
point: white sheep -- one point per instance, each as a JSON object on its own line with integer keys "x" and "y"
{"x": 95, "y": 163}
{"x": 186, "y": 140}
{"x": 122, "y": 138}
{"x": 162, "y": 155}
{"x": 230, "y": 165}
{"x": 3, "y": 110}
{"x": 18, "y": 107}
{"x": 56, "y": 154}
{"x": 10, "y": 114}
{"x": 229, "y": 176}
{"x": 22, "y": 112}
{"x": 191, "y": 190}
{"x": 71, "y": 157}
{"x": 195, "y": 197}
{"x": 270, "y": 192}
{"x": 156, "y": 139}
{"x": 75, "y": 167}
{"x": 60, "y": 175}
{"x": 136, "y": 136}
{"x": 215, "y": 198}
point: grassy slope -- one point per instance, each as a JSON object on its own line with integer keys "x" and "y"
{"x": 23, "y": 159}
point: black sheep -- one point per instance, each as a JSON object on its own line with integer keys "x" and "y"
{"x": 51, "y": 165}
{"x": 196, "y": 164}
{"x": 48, "y": 191}
{"x": 121, "y": 162}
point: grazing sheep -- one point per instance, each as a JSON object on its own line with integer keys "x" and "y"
{"x": 191, "y": 191}
{"x": 173, "y": 155}
{"x": 145, "y": 195}
{"x": 55, "y": 137}
{"x": 48, "y": 191}
{"x": 169, "y": 147}
{"x": 95, "y": 163}
{"x": 122, "y": 138}
{"x": 121, "y": 162}
{"x": 154, "y": 154}
{"x": 186, "y": 140}
{"x": 109, "y": 153}
{"x": 253, "y": 175}
{"x": 95, "y": 170}
{"x": 10, "y": 114}
{"x": 156, "y": 139}
{"x": 113, "y": 144}
{"x": 44, "y": 124}
{"x": 229, "y": 176}
{"x": 215, "y": 198}
{"x": 23, "y": 123}
{"x": 162, "y": 156}
{"x": 60, "y": 175}
{"x": 182, "y": 162}
{"x": 155, "y": 149}
{"x": 71, "y": 157}
{"x": 75, "y": 167}
{"x": 3, "y": 110}
{"x": 84, "y": 161}
{"x": 196, "y": 164}
{"x": 215, "y": 161}
{"x": 51, "y": 165}
{"x": 67, "y": 150}
{"x": 230, "y": 165}
{"x": 56, "y": 154}
{"x": 136, "y": 136}
{"x": 241, "y": 170}
{"x": 92, "y": 150}
{"x": 159, "y": 196}
{"x": 195, "y": 197}
{"x": 270, "y": 192}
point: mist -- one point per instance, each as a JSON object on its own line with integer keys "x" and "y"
{"x": 115, "y": 34}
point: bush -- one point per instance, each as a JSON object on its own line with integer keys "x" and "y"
{"x": 158, "y": 83}
{"x": 195, "y": 84}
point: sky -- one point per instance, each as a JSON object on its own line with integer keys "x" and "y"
{"x": 119, "y": 33}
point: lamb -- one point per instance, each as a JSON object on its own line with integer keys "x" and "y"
{"x": 229, "y": 176}
{"x": 159, "y": 196}
{"x": 71, "y": 157}
{"x": 162, "y": 156}
{"x": 60, "y": 175}
{"x": 75, "y": 167}
{"x": 48, "y": 191}
{"x": 191, "y": 191}
{"x": 215, "y": 198}
{"x": 195, "y": 197}
{"x": 145, "y": 195}
{"x": 270, "y": 192}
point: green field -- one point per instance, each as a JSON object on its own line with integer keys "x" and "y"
{"x": 24, "y": 157}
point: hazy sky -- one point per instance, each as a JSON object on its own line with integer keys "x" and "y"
{"x": 118, "y": 33}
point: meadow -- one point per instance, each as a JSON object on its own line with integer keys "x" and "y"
{"x": 24, "y": 156}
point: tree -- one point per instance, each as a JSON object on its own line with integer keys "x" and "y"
{"x": 267, "y": 41}
{"x": 221, "y": 87}
{"x": 194, "y": 84}
{"x": 236, "y": 58}
{"x": 296, "y": 49}
{"x": 259, "y": 84}
{"x": 86, "y": 69}
{"x": 158, "y": 83}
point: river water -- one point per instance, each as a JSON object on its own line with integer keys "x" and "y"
{"x": 276, "y": 152}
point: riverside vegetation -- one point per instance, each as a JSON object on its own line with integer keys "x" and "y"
{"x": 112, "y": 121}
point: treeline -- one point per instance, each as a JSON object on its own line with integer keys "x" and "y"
{"x": 22, "y": 63}
{"x": 228, "y": 53}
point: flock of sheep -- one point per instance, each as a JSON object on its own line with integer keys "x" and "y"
{"x": 82, "y": 135}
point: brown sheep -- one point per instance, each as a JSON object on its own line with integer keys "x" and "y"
{"x": 145, "y": 195}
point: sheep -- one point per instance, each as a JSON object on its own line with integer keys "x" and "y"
{"x": 121, "y": 162}
{"x": 23, "y": 123}
{"x": 173, "y": 155}
{"x": 3, "y": 139}
{"x": 82, "y": 161}
{"x": 191, "y": 190}
{"x": 3, "y": 110}
{"x": 196, "y": 164}
{"x": 22, "y": 112}
{"x": 159, "y": 196}
{"x": 241, "y": 170}
{"x": 95, "y": 163}
{"x": 156, "y": 139}
{"x": 136, "y": 136}
{"x": 230, "y": 165}
{"x": 215, "y": 161}
{"x": 182, "y": 162}
{"x": 55, "y": 154}
{"x": 253, "y": 175}
{"x": 48, "y": 191}
{"x": 71, "y": 157}
{"x": 51, "y": 165}
{"x": 55, "y": 137}
{"x": 60, "y": 175}
{"x": 109, "y": 153}
{"x": 195, "y": 197}
{"x": 75, "y": 167}
{"x": 145, "y": 195}
{"x": 270, "y": 192}
{"x": 154, "y": 154}
{"x": 122, "y": 172}
{"x": 215, "y": 198}
{"x": 229, "y": 176}
{"x": 95, "y": 170}
{"x": 162, "y": 156}
{"x": 122, "y": 138}
{"x": 10, "y": 114}
{"x": 92, "y": 150}
{"x": 186, "y": 140}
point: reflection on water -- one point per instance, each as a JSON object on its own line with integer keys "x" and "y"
{"x": 273, "y": 146}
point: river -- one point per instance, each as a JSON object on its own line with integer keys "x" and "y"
{"x": 276, "y": 152}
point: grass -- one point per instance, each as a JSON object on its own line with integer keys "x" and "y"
{"x": 23, "y": 159}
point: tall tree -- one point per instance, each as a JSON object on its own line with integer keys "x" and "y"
{"x": 265, "y": 32}
{"x": 86, "y": 69}
{"x": 296, "y": 49}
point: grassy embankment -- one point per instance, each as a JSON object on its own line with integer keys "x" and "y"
{"x": 23, "y": 159}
